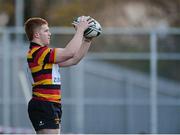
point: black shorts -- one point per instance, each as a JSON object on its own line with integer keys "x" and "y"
{"x": 44, "y": 114}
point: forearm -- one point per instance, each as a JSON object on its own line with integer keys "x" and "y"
{"x": 71, "y": 49}
{"x": 75, "y": 43}
{"x": 82, "y": 51}
{"x": 79, "y": 55}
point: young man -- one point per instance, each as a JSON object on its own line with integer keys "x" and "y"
{"x": 44, "y": 108}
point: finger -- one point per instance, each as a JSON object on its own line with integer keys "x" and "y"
{"x": 88, "y": 18}
{"x": 74, "y": 23}
{"x": 82, "y": 19}
{"x": 85, "y": 18}
{"x": 90, "y": 22}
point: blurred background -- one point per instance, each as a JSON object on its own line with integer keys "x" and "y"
{"x": 128, "y": 82}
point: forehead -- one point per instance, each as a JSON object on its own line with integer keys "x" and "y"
{"x": 44, "y": 27}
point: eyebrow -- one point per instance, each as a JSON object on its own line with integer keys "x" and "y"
{"x": 47, "y": 29}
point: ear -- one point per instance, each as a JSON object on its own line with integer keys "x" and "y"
{"x": 36, "y": 35}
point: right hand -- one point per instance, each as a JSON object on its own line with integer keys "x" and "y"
{"x": 83, "y": 24}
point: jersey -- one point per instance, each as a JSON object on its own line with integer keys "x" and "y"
{"x": 44, "y": 72}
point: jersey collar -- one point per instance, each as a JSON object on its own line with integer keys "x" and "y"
{"x": 34, "y": 44}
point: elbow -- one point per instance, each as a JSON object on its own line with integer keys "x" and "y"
{"x": 72, "y": 54}
{"x": 75, "y": 63}
{"x": 76, "y": 60}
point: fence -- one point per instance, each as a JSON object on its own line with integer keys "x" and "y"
{"x": 98, "y": 97}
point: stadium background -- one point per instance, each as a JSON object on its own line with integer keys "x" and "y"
{"x": 128, "y": 83}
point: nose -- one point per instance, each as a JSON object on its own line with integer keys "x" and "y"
{"x": 49, "y": 33}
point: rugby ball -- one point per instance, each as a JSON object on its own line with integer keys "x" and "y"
{"x": 93, "y": 30}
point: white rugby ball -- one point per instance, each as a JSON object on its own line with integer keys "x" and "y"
{"x": 93, "y": 30}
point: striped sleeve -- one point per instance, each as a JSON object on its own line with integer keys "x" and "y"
{"x": 45, "y": 55}
{"x": 52, "y": 56}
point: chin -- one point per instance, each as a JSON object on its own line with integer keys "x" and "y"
{"x": 47, "y": 43}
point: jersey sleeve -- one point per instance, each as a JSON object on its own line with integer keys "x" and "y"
{"x": 46, "y": 55}
{"x": 51, "y": 56}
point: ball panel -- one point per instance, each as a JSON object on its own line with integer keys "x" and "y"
{"x": 87, "y": 32}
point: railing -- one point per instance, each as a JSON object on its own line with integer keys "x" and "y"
{"x": 153, "y": 56}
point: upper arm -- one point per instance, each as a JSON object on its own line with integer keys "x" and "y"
{"x": 62, "y": 54}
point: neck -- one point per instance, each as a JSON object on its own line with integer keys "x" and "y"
{"x": 38, "y": 42}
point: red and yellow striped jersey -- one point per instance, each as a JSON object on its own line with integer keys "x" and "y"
{"x": 45, "y": 73}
